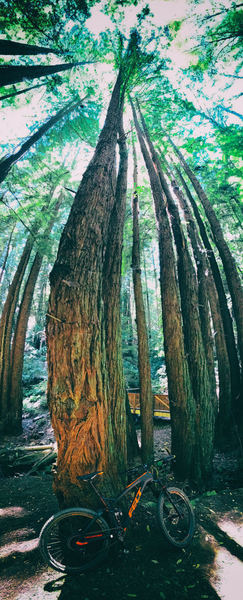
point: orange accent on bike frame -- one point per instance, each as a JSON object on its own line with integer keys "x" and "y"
{"x": 128, "y": 486}
{"x": 135, "y": 502}
{"x": 89, "y": 537}
{"x": 81, "y": 543}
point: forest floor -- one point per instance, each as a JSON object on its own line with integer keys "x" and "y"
{"x": 144, "y": 567}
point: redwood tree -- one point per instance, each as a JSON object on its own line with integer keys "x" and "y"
{"x": 78, "y": 383}
{"x": 145, "y": 386}
{"x": 182, "y": 403}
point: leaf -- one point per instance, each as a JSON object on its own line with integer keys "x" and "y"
{"x": 162, "y": 595}
{"x": 179, "y": 561}
{"x": 156, "y": 562}
{"x": 148, "y": 528}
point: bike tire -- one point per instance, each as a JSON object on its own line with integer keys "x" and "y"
{"x": 66, "y": 547}
{"x": 176, "y": 517}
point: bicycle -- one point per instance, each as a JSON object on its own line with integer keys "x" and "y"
{"x": 76, "y": 539}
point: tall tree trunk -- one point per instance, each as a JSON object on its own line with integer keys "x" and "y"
{"x": 156, "y": 287}
{"x": 202, "y": 278}
{"x": 146, "y": 396}
{"x": 182, "y": 404}
{"x": 15, "y": 392}
{"x": 111, "y": 297}
{"x": 232, "y": 276}
{"x": 78, "y": 392}
{"x": 7, "y": 163}
{"x": 21, "y": 49}
{"x": 225, "y": 313}
{"x": 203, "y": 390}
{"x": 208, "y": 293}
{"x": 10, "y": 74}
{"x": 6, "y": 325}
{"x": 147, "y": 296}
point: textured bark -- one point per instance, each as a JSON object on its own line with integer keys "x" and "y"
{"x": 10, "y": 74}
{"x": 15, "y": 392}
{"x": 225, "y": 426}
{"x": 203, "y": 268}
{"x": 209, "y": 294}
{"x": 146, "y": 396}
{"x": 224, "y": 310}
{"x": 20, "y": 49}
{"x": 78, "y": 383}
{"x": 182, "y": 404}
{"x": 6, "y": 325}
{"x": 8, "y": 162}
{"x": 203, "y": 390}
{"x": 111, "y": 297}
{"x": 147, "y": 296}
{"x": 232, "y": 276}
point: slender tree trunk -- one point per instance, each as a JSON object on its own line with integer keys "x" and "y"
{"x": 78, "y": 393}
{"x": 203, "y": 390}
{"x": 230, "y": 268}
{"x": 20, "y": 49}
{"x": 10, "y": 74}
{"x": 6, "y": 253}
{"x": 225, "y": 314}
{"x": 208, "y": 293}
{"x": 6, "y": 325}
{"x": 156, "y": 287}
{"x": 7, "y": 163}
{"x": 32, "y": 87}
{"x": 111, "y": 297}
{"x": 182, "y": 404}
{"x": 146, "y": 396}
{"x": 15, "y": 392}
{"x": 147, "y": 296}
{"x": 202, "y": 278}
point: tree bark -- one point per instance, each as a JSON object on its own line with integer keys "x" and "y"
{"x": 232, "y": 276}
{"x": 182, "y": 404}
{"x": 15, "y": 392}
{"x": 224, "y": 430}
{"x": 202, "y": 267}
{"x": 203, "y": 389}
{"x": 6, "y": 325}
{"x": 146, "y": 395}
{"x": 7, "y": 163}
{"x": 111, "y": 286}
{"x": 19, "y": 48}
{"x": 10, "y": 74}
{"x": 78, "y": 393}
{"x": 225, "y": 313}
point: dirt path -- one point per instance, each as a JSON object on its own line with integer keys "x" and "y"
{"x": 145, "y": 567}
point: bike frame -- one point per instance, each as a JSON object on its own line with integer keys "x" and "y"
{"x": 143, "y": 480}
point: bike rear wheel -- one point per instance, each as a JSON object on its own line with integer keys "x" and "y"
{"x": 74, "y": 540}
{"x": 176, "y": 517}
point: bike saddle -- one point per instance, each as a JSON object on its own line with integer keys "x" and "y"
{"x": 89, "y": 476}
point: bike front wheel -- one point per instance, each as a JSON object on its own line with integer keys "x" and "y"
{"x": 74, "y": 540}
{"x": 176, "y": 517}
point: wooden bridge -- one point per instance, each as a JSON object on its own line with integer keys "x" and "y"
{"x": 161, "y": 405}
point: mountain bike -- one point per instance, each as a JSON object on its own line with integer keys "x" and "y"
{"x": 77, "y": 539}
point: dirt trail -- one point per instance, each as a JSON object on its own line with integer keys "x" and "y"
{"x": 145, "y": 567}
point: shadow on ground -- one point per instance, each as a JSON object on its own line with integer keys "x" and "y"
{"x": 145, "y": 567}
